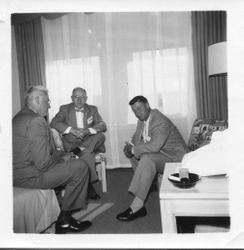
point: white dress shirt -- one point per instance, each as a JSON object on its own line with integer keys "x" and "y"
{"x": 80, "y": 123}
{"x": 145, "y": 136}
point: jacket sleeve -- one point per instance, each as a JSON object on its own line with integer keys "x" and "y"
{"x": 58, "y": 122}
{"x": 98, "y": 124}
{"x": 159, "y": 135}
{"x": 40, "y": 144}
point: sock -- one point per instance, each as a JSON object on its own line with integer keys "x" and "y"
{"x": 64, "y": 213}
{"x": 76, "y": 151}
{"x": 136, "y": 204}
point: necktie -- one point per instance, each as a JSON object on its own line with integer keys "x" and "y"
{"x": 79, "y": 110}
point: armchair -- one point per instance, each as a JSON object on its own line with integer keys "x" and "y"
{"x": 202, "y": 131}
{"x": 100, "y": 160}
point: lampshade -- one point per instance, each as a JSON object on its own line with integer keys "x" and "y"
{"x": 217, "y": 63}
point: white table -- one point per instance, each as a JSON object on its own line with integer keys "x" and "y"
{"x": 210, "y": 197}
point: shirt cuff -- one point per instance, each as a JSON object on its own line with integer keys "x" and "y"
{"x": 92, "y": 131}
{"x": 67, "y": 130}
{"x": 132, "y": 150}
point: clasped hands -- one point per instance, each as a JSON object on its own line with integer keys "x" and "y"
{"x": 80, "y": 132}
{"x": 128, "y": 149}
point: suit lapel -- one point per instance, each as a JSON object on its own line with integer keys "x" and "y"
{"x": 72, "y": 117}
{"x": 139, "y": 132}
{"x": 151, "y": 120}
{"x": 85, "y": 116}
{"x": 50, "y": 138}
{"x": 141, "y": 127}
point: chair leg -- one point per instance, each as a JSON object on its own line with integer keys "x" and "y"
{"x": 160, "y": 177}
{"x": 104, "y": 178}
{"x": 99, "y": 171}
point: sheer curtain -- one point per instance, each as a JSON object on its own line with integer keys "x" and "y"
{"x": 116, "y": 56}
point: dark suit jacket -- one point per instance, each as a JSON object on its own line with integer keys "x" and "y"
{"x": 33, "y": 148}
{"x": 66, "y": 117}
{"x": 165, "y": 138}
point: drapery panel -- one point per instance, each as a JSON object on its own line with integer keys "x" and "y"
{"x": 209, "y": 27}
{"x": 116, "y": 56}
{"x": 30, "y": 55}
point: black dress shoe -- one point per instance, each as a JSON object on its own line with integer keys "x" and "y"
{"x": 128, "y": 214}
{"x": 76, "y": 151}
{"x": 92, "y": 194}
{"x": 70, "y": 225}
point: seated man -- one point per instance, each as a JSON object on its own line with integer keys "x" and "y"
{"x": 155, "y": 142}
{"x": 36, "y": 164}
{"x": 81, "y": 127}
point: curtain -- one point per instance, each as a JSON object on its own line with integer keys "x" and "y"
{"x": 30, "y": 55}
{"x": 116, "y": 56}
{"x": 209, "y": 27}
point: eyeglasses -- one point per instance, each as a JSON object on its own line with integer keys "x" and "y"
{"x": 44, "y": 99}
{"x": 47, "y": 101}
{"x": 78, "y": 97}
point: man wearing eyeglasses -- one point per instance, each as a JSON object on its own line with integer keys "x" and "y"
{"x": 81, "y": 127}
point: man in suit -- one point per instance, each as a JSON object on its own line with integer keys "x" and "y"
{"x": 155, "y": 142}
{"x": 81, "y": 127}
{"x": 36, "y": 164}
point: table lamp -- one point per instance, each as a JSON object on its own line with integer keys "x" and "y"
{"x": 217, "y": 64}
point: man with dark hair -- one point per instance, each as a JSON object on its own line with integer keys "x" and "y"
{"x": 36, "y": 164}
{"x": 155, "y": 142}
{"x": 82, "y": 130}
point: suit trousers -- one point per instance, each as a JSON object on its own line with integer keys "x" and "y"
{"x": 145, "y": 170}
{"x": 89, "y": 159}
{"x": 73, "y": 174}
{"x": 92, "y": 144}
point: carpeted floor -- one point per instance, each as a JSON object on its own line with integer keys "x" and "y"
{"x": 102, "y": 213}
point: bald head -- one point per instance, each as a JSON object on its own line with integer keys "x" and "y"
{"x": 79, "y": 97}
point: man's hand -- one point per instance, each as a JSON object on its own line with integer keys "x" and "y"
{"x": 68, "y": 156}
{"x": 128, "y": 150}
{"x": 75, "y": 132}
{"x": 83, "y": 132}
{"x": 80, "y": 133}
{"x": 61, "y": 156}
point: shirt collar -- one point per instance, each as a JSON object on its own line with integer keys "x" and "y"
{"x": 148, "y": 119}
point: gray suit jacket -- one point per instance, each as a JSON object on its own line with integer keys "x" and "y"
{"x": 33, "y": 147}
{"x": 66, "y": 117}
{"x": 164, "y": 138}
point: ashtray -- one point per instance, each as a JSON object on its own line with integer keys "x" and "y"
{"x": 175, "y": 180}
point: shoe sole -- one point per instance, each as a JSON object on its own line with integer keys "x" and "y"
{"x": 137, "y": 217}
{"x": 70, "y": 230}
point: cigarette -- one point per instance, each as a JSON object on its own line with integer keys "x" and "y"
{"x": 174, "y": 178}
{"x": 129, "y": 142}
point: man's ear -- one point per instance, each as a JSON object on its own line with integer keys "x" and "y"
{"x": 147, "y": 105}
{"x": 38, "y": 100}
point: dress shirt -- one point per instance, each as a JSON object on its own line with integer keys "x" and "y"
{"x": 145, "y": 136}
{"x": 80, "y": 124}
